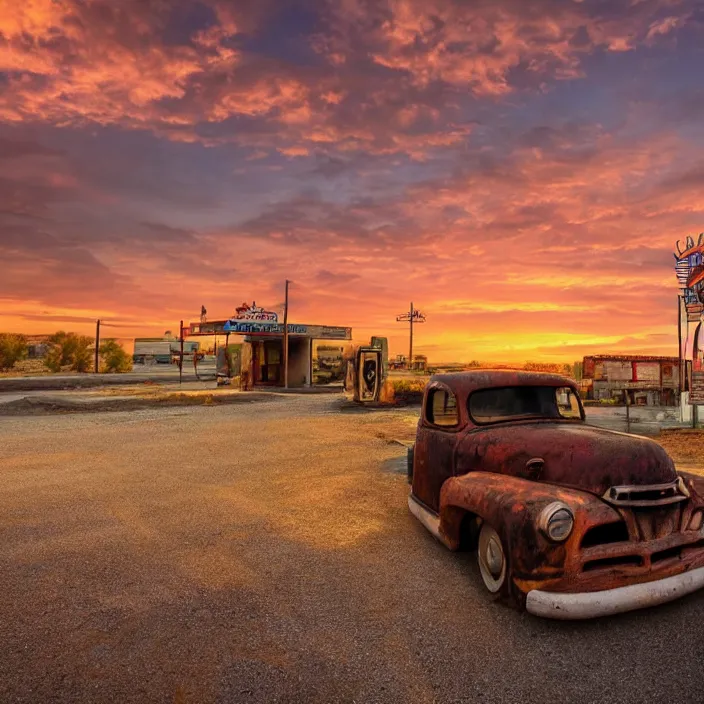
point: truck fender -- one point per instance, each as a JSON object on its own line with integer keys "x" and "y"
{"x": 512, "y": 505}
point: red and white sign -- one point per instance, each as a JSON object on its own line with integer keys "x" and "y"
{"x": 254, "y": 312}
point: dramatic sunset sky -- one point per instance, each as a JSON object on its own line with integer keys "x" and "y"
{"x": 519, "y": 169}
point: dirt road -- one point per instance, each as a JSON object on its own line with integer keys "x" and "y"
{"x": 265, "y": 553}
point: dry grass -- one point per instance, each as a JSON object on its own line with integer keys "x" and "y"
{"x": 27, "y": 367}
{"x": 409, "y": 384}
{"x": 685, "y": 446}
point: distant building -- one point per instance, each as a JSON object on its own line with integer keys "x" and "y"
{"x": 399, "y": 362}
{"x": 648, "y": 381}
{"x": 37, "y": 346}
{"x": 160, "y": 350}
{"x": 419, "y": 364}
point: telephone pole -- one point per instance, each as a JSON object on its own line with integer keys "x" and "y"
{"x": 97, "y": 345}
{"x": 180, "y": 359}
{"x": 413, "y": 316}
{"x": 410, "y": 347}
{"x": 286, "y": 336}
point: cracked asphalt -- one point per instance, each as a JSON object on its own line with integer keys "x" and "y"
{"x": 265, "y": 553}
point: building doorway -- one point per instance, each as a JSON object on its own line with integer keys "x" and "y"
{"x": 267, "y": 362}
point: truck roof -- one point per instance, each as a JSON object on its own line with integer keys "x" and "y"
{"x": 466, "y": 382}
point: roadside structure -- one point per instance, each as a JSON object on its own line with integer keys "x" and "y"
{"x": 37, "y": 346}
{"x": 160, "y": 350}
{"x": 262, "y": 351}
{"x": 689, "y": 269}
{"x": 419, "y": 363}
{"x": 648, "y": 380}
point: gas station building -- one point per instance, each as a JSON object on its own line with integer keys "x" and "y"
{"x": 262, "y": 350}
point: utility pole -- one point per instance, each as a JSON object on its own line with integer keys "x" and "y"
{"x": 413, "y": 316}
{"x": 286, "y": 336}
{"x": 410, "y": 347}
{"x": 97, "y": 344}
{"x": 180, "y": 359}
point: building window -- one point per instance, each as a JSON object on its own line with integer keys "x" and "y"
{"x": 441, "y": 408}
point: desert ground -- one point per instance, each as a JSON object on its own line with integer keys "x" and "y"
{"x": 264, "y": 552}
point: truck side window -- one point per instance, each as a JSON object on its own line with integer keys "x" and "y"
{"x": 441, "y": 408}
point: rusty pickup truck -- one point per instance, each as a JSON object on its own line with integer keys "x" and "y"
{"x": 569, "y": 521}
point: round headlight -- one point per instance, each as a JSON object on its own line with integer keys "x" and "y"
{"x": 556, "y": 521}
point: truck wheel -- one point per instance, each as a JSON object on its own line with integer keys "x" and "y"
{"x": 493, "y": 563}
{"x": 409, "y": 464}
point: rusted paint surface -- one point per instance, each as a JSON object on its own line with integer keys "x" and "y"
{"x": 574, "y": 454}
{"x": 508, "y": 472}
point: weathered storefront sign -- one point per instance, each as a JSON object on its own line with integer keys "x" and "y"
{"x": 648, "y": 371}
{"x": 618, "y": 371}
{"x": 254, "y": 312}
{"x": 236, "y": 326}
{"x": 696, "y": 393}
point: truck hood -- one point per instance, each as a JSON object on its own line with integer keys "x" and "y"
{"x": 574, "y": 454}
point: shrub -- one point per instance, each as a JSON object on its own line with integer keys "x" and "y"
{"x": 67, "y": 349}
{"x": 115, "y": 359}
{"x": 13, "y": 348}
{"x": 544, "y": 367}
{"x": 408, "y": 385}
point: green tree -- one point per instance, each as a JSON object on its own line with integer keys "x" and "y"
{"x": 115, "y": 359}
{"x": 67, "y": 349}
{"x": 13, "y": 348}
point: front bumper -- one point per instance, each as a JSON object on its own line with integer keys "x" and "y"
{"x": 583, "y": 605}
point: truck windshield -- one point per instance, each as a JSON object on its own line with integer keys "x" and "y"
{"x": 519, "y": 402}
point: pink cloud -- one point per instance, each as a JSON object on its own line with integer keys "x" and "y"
{"x": 392, "y": 165}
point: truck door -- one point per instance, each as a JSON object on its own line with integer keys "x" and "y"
{"x": 436, "y": 439}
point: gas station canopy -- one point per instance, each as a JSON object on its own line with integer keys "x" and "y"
{"x": 266, "y": 328}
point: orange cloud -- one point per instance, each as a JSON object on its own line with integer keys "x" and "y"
{"x": 379, "y": 153}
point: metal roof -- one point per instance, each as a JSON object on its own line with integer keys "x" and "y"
{"x": 630, "y": 358}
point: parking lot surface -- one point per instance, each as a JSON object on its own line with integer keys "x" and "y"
{"x": 265, "y": 553}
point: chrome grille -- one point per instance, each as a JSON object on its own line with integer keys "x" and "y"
{"x": 646, "y": 495}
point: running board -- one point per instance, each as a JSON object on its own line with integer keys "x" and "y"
{"x": 430, "y": 520}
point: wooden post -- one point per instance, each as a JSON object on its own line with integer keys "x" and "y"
{"x": 97, "y": 345}
{"x": 310, "y": 362}
{"x": 227, "y": 358}
{"x": 286, "y": 337}
{"x": 628, "y": 414}
{"x": 410, "y": 349}
{"x": 180, "y": 360}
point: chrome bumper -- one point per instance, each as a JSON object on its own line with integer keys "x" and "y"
{"x": 583, "y": 605}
